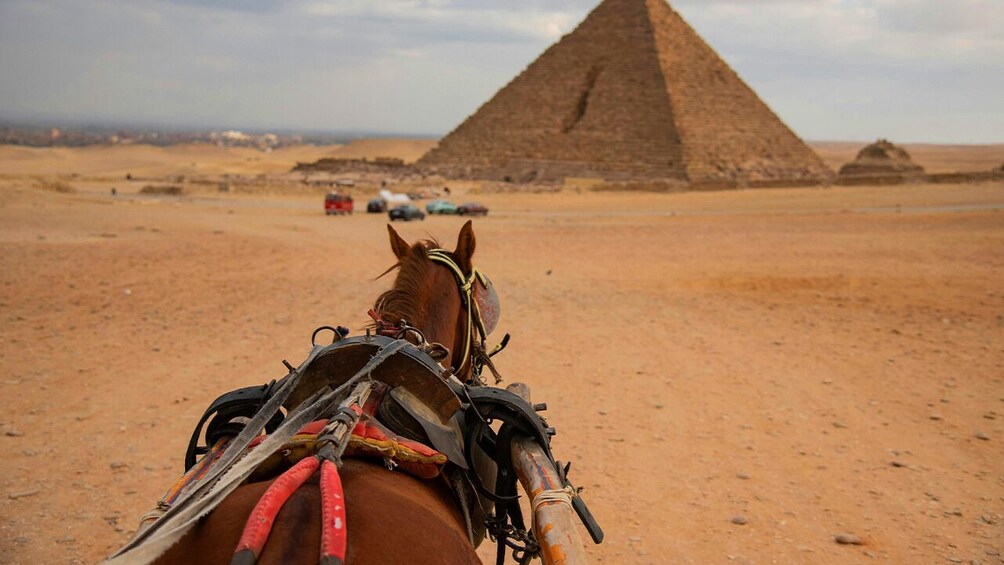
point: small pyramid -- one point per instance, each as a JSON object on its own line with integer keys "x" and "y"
{"x": 882, "y": 158}
{"x": 632, "y": 93}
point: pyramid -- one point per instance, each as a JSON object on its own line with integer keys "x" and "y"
{"x": 632, "y": 93}
{"x": 882, "y": 158}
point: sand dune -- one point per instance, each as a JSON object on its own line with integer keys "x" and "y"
{"x": 407, "y": 149}
{"x": 150, "y": 161}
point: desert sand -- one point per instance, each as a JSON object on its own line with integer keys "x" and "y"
{"x": 811, "y": 362}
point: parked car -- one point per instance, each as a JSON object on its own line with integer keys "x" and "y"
{"x": 441, "y": 207}
{"x": 376, "y": 206}
{"x": 472, "y": 209}
{"x": 335, "y": 203}
{"x": 406, "y": 212}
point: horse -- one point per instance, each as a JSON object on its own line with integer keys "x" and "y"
{"x": 392, "y": 517}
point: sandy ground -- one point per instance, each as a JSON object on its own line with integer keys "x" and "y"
{"x": 817, "y": 362}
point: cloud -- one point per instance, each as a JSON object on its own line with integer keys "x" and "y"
{"x": 830, "y": 68}
{"x": 444, "y": 20}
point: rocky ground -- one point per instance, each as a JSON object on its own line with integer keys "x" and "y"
{"x": 739, "y": 377}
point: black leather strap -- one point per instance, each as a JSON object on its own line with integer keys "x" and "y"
{"x": 240, "y": 403}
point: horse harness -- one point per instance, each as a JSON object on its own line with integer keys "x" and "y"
{"x": 380, "y": 380}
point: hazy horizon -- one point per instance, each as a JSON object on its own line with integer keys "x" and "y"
{"x": 913, "y": 71}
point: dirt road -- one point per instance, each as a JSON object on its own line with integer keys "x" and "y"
{"x": 809, "y": 362}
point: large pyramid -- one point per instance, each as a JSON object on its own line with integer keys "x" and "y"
{"x": 632, "y": 93}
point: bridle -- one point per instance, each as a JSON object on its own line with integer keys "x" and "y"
{"x": 475, "y": 352}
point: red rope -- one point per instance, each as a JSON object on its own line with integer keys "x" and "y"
{"x": 259, "y": 524}
{"x": 334, "y": 535}
{"x": 383, "y": 328}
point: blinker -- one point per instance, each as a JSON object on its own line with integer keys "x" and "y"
{"x": 487, "y": 299}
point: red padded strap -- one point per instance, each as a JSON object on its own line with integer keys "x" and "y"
{"x": 334, "y": 535}
{"x": 259, "y": 524}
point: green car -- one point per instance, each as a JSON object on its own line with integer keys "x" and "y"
{"x": 441, "y": 207}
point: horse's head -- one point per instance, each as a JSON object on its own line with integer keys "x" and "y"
{"x": 443, "y": 294}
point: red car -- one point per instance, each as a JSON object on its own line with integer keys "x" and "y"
{"x": 335, "y": 203}
{"x": 472, "y": 209}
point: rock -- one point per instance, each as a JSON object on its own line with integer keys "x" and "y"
{"x": 117, "y": 465}
{"x": 897, "y": 463}
{"x": 22, "y": 494}
{"x": 66, "y": 539}
{"x": 936, "y": 417}
{"x": 840, "y": 425}
{"x": 743, "y": 476}
{"x": 847, "y": 539}
{"x": 954, "y": 559}
{"x": 13, "y": 433}
{"x": 739, "y": 520}
{"x": 983, "y": 436}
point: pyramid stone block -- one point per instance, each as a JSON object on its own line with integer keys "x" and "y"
{"x": 632, "y": 93}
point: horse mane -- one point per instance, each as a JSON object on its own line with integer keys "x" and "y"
{"x": 401, "y": 302}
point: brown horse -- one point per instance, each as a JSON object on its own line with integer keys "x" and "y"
{"x": 392, "y": 517}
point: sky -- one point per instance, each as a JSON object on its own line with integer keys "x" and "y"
{"x": 856, "y": 70}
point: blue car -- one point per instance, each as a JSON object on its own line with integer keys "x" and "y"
{"x": 406, "y": 212}
{"x": 441, "y": 207}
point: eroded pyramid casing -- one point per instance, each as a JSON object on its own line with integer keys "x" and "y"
{"x": 632, "y": 93}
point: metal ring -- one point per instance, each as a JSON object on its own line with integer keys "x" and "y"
{"x": 313, "y": 336}
{"x": 405, "y": 330}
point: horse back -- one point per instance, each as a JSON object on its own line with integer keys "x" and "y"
{"x": 391, "y": 518}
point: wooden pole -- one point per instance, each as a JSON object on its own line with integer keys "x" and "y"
{"x": 554, "y": 522}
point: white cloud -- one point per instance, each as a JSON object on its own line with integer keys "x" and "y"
{"x": 830, "y": 68}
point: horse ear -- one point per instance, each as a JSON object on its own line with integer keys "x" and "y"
{"x": 465, "y": 248}
{"x": 398, "y": 244}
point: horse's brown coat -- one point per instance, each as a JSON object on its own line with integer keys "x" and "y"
{"x": 392, "y": 518}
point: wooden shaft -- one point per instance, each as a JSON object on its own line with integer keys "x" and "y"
{"x": 554, "y": 522}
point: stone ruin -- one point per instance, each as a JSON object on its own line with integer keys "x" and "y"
{"x": 337, "y": 165}
{"x": 882, "y": 158}
{"x": 633, "y": 93}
